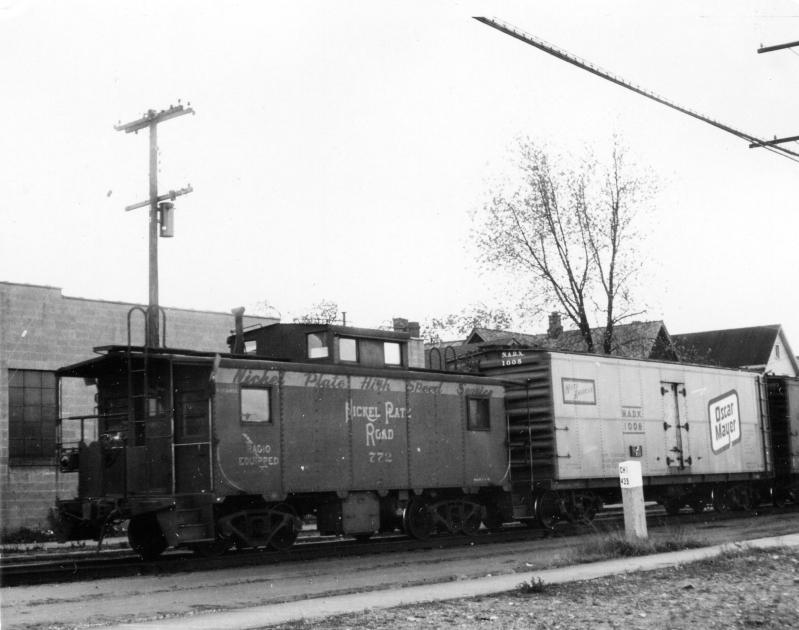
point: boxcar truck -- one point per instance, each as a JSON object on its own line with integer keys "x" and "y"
{"x": 572, "y": 418}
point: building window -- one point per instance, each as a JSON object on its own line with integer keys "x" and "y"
{"x": 477, "y": 414}
{"x": 255, "y": 405}
{"x": 317, "y": 346}
{"x": 392, "y": 354}
{"x": 777, "y": 350}
{"x": 347, "y": 349}
{"x": 32, "y": 408}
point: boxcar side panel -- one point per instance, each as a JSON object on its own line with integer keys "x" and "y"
{"x": 792, "y": 408}
{"x": 674, "y": 419}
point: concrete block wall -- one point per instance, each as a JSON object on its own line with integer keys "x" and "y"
{"x": 41, "y": 329}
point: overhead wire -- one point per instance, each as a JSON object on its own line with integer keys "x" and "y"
{"x": 600, "y": 72}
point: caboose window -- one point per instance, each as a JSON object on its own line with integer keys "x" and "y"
{"x": 347, "y": 349}
{"x": 477, "y": 416}
{"x": 317, "y": 346}
{"x": 255, "y": 404}
{"x": 392, "y": 354}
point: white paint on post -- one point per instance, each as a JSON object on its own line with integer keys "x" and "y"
{"x": 632, "y": 497}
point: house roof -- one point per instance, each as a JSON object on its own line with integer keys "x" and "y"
{"x": 635, "y": 340}
{"x": 643, "y": 340}
{"x": 734, "y": 347}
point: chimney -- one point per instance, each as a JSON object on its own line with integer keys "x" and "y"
{"x": 414, "y": 329}
{"x": 238, "y": 341}
{"x": 555, "y": 327}
{"x": 400, "y": 324}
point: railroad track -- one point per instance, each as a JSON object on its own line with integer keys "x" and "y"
{"x": 51, "y": 568}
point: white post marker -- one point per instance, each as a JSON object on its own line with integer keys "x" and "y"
{"x": 632, "y": 498}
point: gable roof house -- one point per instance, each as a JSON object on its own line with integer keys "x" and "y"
{"x": 763, "y": 349}
{"x": 641, "y": 340}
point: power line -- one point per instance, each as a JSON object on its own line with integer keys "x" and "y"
{"x": 593, "y": 69}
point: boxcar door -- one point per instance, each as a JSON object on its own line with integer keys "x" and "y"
{"x": 675, "y": 425}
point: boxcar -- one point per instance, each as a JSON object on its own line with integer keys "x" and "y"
{"x": 702, "y": 434}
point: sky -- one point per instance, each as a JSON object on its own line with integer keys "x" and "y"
{"x": 340, "y": 150}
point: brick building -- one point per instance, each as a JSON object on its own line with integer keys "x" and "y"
{"x": 40, "y": 331}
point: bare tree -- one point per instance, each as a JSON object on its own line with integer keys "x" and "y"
{"x": 322, "y": 312}
{"x": 477, "y": 315}
{"x": 570, "y": 231}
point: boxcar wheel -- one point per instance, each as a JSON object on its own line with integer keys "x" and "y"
{"x": 145, "y": 536}
{"x": 547, "y": 509}
{"x": 697, "y": 504}
{"x": 672, "y": 505}
{"x": 417, "y": 520}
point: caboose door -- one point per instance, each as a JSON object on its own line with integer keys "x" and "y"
{"x": 192, "y": 404}
{"x": 675, "y": 425}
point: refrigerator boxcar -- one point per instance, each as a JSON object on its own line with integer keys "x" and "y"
{"x": 702, "y": 434}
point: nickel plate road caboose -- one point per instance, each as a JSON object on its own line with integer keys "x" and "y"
{"x": 203, "y": 451}
{"x": 208, "y": 451}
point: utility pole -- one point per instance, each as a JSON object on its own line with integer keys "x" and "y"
{"x": 765, "y": 49}
{"x": 158, "y": 205}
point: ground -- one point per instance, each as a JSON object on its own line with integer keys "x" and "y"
{"x": 753, "y": 589}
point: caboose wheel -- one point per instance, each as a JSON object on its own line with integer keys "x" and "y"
{"x": 145, "y": 536}
{"x": 285, "y": 526}
{"x": 417, "y": 520}
{"x": 213, "y": 549}
{"x": 471, "y": 518}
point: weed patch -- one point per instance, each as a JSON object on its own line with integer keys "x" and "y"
{"x": 533, "y": 586}
{"x": 614, "y": 544}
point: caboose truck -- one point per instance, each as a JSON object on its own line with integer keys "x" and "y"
{"x": 204, "y": 451}
{"x": 702, "y": 434}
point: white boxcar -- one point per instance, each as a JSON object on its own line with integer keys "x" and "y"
{"x": 572, "y": 418}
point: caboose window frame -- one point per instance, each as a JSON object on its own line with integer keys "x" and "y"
{"x": 252, "y": 394}
{"x": 392, "y": 354}
{"x": 478, "y": 413}
{"x": 348, "y": 350}
{"x": 316, "y": 345}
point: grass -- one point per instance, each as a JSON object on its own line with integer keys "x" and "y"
{"x": 614, "y": 544}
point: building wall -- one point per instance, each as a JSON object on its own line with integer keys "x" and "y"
{"x": 41, "y": 329}
{"x": 780, "y": 360}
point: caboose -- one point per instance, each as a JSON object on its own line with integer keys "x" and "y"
{"x": 204, "y": 451}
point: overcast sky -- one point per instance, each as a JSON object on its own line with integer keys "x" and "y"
{"x": 339, "y": 149}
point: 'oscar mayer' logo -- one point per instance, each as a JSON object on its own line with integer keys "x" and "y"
{"x": 725, "y": 421}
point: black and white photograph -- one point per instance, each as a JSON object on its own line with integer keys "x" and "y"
{"x": 345, "y": 314}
